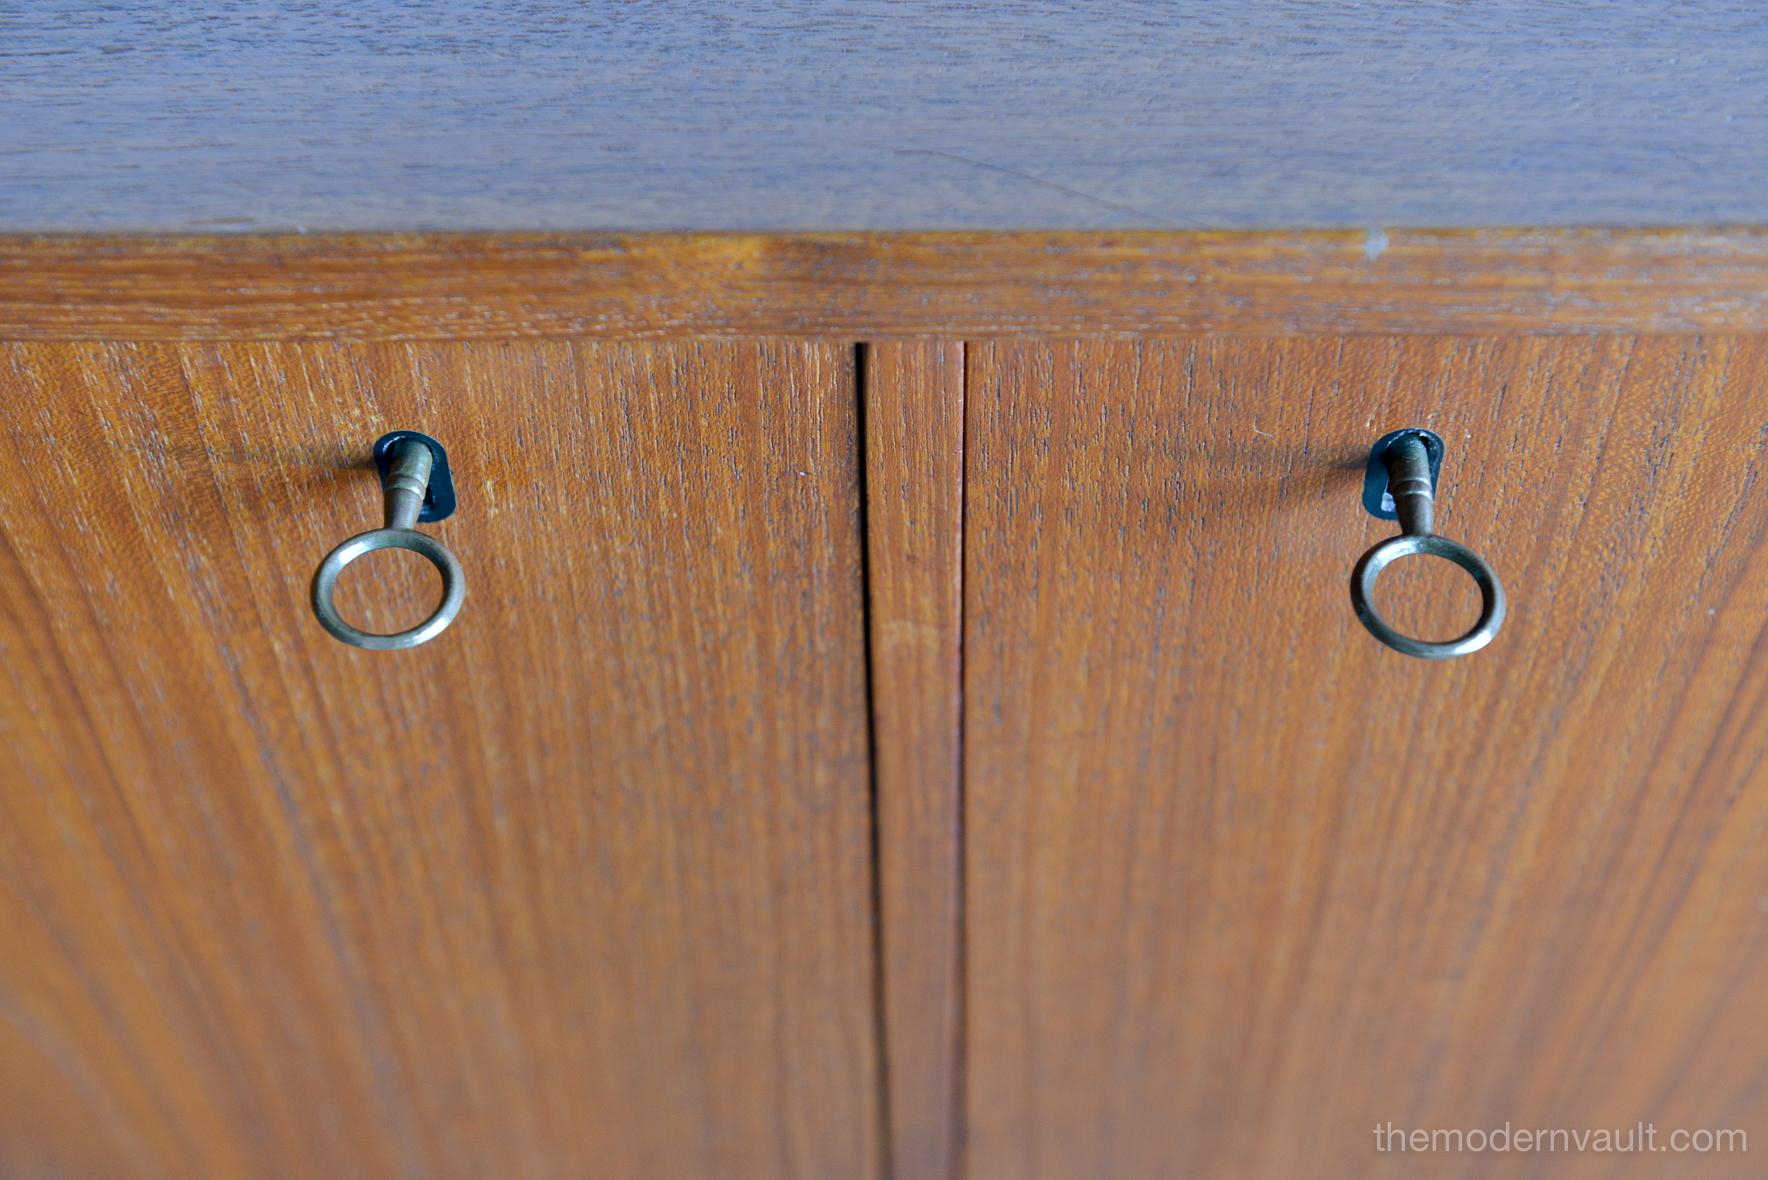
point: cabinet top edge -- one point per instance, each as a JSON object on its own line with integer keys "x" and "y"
{"x": 882, "y": 284}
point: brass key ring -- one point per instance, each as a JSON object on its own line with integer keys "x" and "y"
{"x": 1406, "y": 459}
{"x": 409, "y": 462}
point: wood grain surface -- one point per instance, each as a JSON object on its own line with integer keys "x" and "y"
{"x": 1242, "y": 884}
{"x": 880, "y": 114}
{"x": 866, "y": 286}
{"x": 914, "y": 443}
{"x": 580, "y": 888}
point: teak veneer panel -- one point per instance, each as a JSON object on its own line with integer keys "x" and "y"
{"x": 1243, "y": 884}
{"x": 591, "y": 879}
{"x": 866, "y": 286}
{"x": 581, "y": 887}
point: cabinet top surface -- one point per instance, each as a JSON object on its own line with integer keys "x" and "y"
{"x": 793, "y": 115}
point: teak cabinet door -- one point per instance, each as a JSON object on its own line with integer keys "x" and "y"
{"x": 1243, "y": 884}
{"x": 580, "y": 888}
{"x": 586, "y": 886}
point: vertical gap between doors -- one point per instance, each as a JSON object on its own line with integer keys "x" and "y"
{"x": 898, "y": 1160}
{"x": 961, "y": 905}
{"x": 886, "y": 1165}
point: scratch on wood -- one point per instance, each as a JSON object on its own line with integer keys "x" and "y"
{"x": 1142, "y": 215}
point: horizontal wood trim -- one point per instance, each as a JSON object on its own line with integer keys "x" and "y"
{"x": 881, "y": 285}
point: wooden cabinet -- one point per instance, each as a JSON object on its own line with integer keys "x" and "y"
{"x": 907, "y": 719}
{"x": 584, "y": 888}
{"x": 1244, "y": 885}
